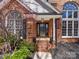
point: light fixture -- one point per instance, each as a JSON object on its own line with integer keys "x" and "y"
{"x": 42, "y": 19}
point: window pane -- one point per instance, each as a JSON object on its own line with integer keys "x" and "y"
{"x": 69, "y": 14}
{"x": 70, "y": 6}
{"x": 69, "y": 32}
{"x": 64, "y": 24}
{"x": 75, "y": 28}
{"x": 75, "y": 32}
{"x": 69, "y": 28}
{"x": 69, "y": 24}
{"x": 75, "y": 24}
{"x": 64, "y": 14}
{"x": 63, "y": 32}
{"x": 75, "y": 14}
{"x": 64, "y": 28}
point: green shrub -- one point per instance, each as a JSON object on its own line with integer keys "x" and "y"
{"x": 11, "y": 39}
{"x": 7, "y": 56}
{"x": 1, "y": 39}
{"x": 30, "y": 46}
{"x": 23, "y": 51}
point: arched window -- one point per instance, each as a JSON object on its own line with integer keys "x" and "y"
{"x": 70, "y": 20}
{"x": 14, "y": 22}
{"x": 70, "y": 10}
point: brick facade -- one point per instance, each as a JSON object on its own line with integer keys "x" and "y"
{"x": 14, "y": 5}
{"x": 31, "y": 23}
{"x": 59, "y": 5}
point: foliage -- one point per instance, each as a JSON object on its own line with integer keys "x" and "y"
{"x": 7, "y": 56}
{"x": 22, "y": 53}
{"x": 23, "y": 43}
{"x": 1, "y": 39}
{"x": 11, "y": 38}
{"x": 23, "y": 50}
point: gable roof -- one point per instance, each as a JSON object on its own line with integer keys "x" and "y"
{"x": 41, "y": 6}
{"x": 47, "y": 6}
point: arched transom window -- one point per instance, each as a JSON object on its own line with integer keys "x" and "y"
{"x": 14, "y": 22}
{"x": 70, "y": 22}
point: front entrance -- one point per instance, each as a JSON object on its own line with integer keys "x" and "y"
{"x": 44, "y": 29}
{"x": 49, "y": 31}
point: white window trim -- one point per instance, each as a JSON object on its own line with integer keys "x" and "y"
{"x": 70, "y": 36}
{"x": 71, "y": 19}
{"x": 72, "y": 30}
{"x": 14, "y": 24}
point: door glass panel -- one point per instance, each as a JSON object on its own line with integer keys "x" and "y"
{"x": 42, "y": 29}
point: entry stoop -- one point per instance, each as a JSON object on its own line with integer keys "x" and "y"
{"x": 43, "y": 44}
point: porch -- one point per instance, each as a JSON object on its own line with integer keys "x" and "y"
{"x": 44, "y": 28}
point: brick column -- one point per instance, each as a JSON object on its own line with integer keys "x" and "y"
{"x": 50, "y": 28}
{"x": 31, "y": 32}
{"x": 58, "y": 25}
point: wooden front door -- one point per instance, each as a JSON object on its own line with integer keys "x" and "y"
{"x": 44, "y": 29}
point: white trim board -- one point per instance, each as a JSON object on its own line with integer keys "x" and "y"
{"x": 52, "y": 7}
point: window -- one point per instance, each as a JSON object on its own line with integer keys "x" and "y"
{"x": 70, "y": 22}
{"x": 14, "y": 22}
{"x": 70, "y": 10}
{"x": 42, "y": 30}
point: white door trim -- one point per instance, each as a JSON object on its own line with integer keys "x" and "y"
{"x": 54, "y": 30}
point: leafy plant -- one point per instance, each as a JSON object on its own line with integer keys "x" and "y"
{"x": 1, "y": 39}
{"x": 7, "y": 56}
{"x": 29, "y": 46}
{"x": 23, "y": 51}
{"x": 11, "y": 38}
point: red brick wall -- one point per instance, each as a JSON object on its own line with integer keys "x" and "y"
{"x": 60, "y": 3}
{"x": 31, "y": 29}
{"x": 70, "y": 40}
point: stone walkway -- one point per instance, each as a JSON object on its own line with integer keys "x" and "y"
{"x": 1, "y": 56}
{"x": 66, "y": 51}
